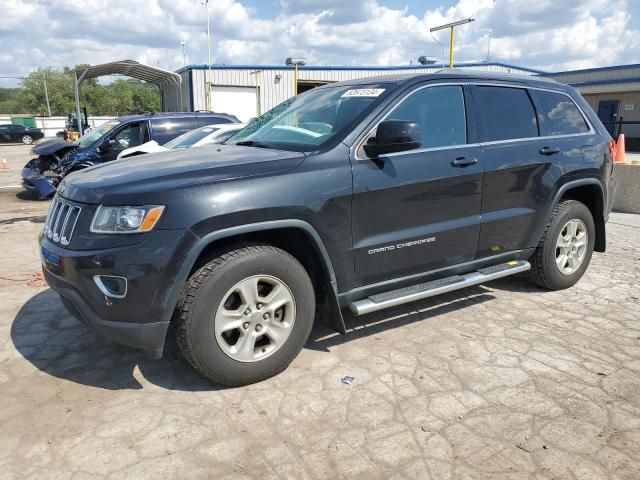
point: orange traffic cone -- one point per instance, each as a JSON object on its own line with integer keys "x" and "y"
{"x": 5, "y": 164}
{"x": 620, "y": 149}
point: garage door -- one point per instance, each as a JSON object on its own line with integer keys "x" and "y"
{"x": 238, "y": 101}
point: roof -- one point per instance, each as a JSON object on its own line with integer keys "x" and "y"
{"x": 131, "y": 68}
{"x": 353, "y": 67}
{"x": 448, "y": 73}
{"x": 162, "y": 115}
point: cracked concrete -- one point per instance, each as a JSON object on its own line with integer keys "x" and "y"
{"x": 500, "y": 381}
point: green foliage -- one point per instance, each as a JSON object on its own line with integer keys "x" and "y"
{"x": 122, "y": 97}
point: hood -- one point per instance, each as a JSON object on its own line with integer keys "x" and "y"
{"x": 47, "y": 147}
{"x": 140, "y": 178}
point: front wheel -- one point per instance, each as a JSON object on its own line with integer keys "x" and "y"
{"x": 245, "y": 315}
{"x": 27, "y": 139}
{"x": 565, "y": 250}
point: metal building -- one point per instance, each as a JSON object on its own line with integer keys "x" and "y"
{"x": 249, "y": 90}
{"x": 614, "y": 94}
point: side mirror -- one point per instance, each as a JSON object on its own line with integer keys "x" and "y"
{"x": 394, "y": 136}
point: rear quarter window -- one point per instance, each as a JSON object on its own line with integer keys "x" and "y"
{"x": 560, "y": 115}
{"x": 505, "y": 113}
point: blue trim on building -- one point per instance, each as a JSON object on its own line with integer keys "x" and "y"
{"x": 606, "y": 82}
{"x": 597, "y": 69}
{"x": 347, "y": 67}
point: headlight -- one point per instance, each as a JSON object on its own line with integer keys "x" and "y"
{"x": 126, "y": 219}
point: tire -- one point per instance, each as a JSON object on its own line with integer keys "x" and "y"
{"x": 214, "y": 299}
{"x": 551, "y": 267}
{"x": 27, "y": 139}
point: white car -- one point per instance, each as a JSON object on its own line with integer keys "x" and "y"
{"x": 193, "y": 138}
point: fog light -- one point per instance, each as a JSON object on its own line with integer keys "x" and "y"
{"x": 111, "y": 285}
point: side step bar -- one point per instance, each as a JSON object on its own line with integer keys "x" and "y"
{"x": 412, "y": 293}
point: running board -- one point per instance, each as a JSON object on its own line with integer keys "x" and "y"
{"x": 412, "y": 293}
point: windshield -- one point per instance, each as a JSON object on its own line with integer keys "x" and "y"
{"x": 311, "y": 120}
{"x": 96, "y": 133}
{"x": 187, "y": 140}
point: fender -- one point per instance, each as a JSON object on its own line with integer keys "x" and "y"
{"x": 330, "y": 312}
{"x": 598, "y": 219}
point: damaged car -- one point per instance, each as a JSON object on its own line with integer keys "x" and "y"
{"x": 58, "y": 158}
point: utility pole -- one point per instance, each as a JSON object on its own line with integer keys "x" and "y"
{"x": 184, "y": 54}
{"x": 46, "y": 93}
{"x": 452, "y": 26}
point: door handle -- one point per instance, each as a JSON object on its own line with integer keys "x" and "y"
{"x": 463, "y": 162}
{"x": 549, "y": 150}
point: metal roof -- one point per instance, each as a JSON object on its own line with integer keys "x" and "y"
{"x": 131, "y": 68}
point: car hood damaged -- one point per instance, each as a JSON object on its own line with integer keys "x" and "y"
{"x": 41, "y": 175}
{"x": 145, "y": 175}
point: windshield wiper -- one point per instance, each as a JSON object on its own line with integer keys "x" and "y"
{"x": 253, "y": 143}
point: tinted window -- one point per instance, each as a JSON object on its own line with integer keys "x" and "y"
{"x": 505, "y": 113}
{"x": 130, "y": 136}
{"x": 212, "y": 120}
{"x": 439, "y": 111}
{"x": 560, "y": 115}
{"x": 165, "y": 129}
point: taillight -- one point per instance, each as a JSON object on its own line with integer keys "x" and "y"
{"x": 612, "y": 149}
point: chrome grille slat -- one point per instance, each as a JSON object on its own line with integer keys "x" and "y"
{"x": 65, "y": 239}
{"x": 56, "y": 231}
{"x": 61, "y": 221}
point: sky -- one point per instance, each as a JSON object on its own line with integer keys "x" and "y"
{"x": 549, "y": 35}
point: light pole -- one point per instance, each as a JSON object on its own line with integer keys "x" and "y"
{"x": 452, "y": 26}
{"x": 295, "y": 63}
{"x": 208, "y": 82}
{"x": 46, "y": 93}
{"x": 184, "y": 55}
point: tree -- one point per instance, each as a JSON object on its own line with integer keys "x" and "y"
{"x": 122, "y": 97}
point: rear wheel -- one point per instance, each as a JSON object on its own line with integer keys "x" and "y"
{"x": 245, "y": 315}
{"x": 565, "y": 250}
{"x": 27, "y": 139}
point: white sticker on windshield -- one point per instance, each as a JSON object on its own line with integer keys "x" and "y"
{"x": 363, "y": 92}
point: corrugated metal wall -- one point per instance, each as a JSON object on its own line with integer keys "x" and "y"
{"x": 277, "y": 85}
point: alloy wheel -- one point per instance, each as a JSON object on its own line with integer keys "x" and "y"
{"x": 255, "y": 318}
{"x": 571, "y": 246}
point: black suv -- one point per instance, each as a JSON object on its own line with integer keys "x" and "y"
{"x": 362, "y": 195}
{"x": 57, "y": 158}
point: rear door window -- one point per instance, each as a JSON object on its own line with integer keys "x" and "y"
{"x": 439, "y": 111}
{"x": 560, "y": 115}
{"x": 166, "y": 129}
{"x": 505, "y": 113}
{"x": 205, "y": 119}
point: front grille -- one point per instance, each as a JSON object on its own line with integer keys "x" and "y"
{"x": 61, "y": 221}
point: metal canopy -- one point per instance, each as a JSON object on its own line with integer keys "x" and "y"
{"x": 130, "y": 68}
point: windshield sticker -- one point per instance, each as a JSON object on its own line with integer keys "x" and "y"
{"x": 363, "y": 92}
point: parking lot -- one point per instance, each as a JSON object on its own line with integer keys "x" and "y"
{"x": 503, "y": 381}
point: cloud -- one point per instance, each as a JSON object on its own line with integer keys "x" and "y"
{"x": 546, "y": 34}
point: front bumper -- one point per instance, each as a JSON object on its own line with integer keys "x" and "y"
{"x": 37, "y": 184}
{"x": 141, "y": 318}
